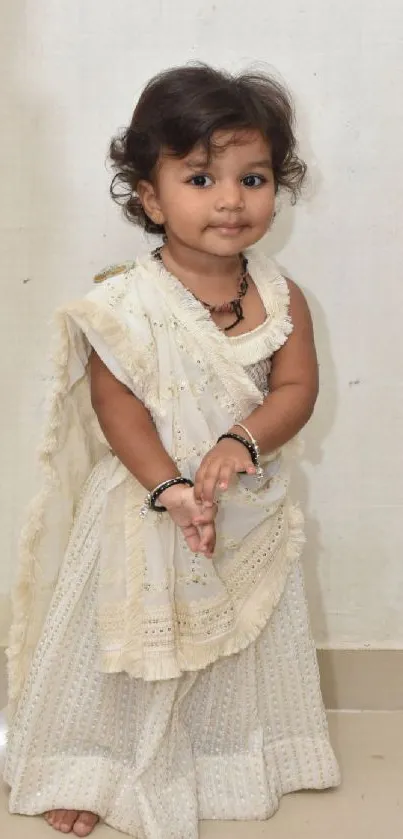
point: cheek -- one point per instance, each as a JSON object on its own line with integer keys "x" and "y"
{"x": 263, "y": 206}
{"x": 185, "y": 205}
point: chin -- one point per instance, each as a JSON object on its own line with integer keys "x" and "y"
{"x": 223, "y": 246}
{"x": 225, "y": 249}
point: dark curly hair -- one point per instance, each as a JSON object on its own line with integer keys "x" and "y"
{"x": 183, "y": 107}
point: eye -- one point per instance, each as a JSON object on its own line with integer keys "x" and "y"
{"x": 254, "y": 180}
{"x": 200, "y": 180}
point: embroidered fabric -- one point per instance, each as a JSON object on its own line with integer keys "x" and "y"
{"x": 259, "y": 373}
{"x": 157, "y": 620}
{"x": 152, "y": 758}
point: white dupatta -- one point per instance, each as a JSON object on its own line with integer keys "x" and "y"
{"x": 162, "y": 609}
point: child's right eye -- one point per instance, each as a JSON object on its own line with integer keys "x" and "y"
{"x": 200, "y": 180}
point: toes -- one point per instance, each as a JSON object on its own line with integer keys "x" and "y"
{"x": 62, "y": 820}
{"x": 68, "y": 820}
{"x": 55, "y": 818}
{"x": 85, "y": 824}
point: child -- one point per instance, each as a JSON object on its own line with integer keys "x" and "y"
{"x": 162, "y": 668}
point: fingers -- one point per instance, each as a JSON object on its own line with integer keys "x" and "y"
{"x": 201, "y": 539}
{"x": 207, "y": 540}
{"x": 206, "y": 516}
{"x": 205, "y": 483}
{"x": 192, "y": 536}
{"x": 198, "y": 487}
{"x": 217, "y": 476}
{"x": 208, "y": 485}
{"x": 225, "y": 476}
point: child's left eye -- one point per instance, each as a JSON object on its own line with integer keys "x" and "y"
{"x": 253, "y": 180}
{"x": 200, "y": 180}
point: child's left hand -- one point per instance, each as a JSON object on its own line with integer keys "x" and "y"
{"x": 217, "y": 469}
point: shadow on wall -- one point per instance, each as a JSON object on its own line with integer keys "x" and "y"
{"x": 314, "y": 438}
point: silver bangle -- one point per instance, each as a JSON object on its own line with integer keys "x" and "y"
{"x": 255, "y": 444}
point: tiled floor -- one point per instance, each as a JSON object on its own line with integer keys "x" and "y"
{"x": 369, "y": 805}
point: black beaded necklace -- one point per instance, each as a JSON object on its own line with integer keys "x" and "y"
{"x": 234, "y": 306}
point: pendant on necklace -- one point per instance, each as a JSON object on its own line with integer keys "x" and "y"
{"x": 236, "y": 307}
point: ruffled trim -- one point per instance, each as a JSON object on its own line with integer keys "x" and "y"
{"x": 268, "y": 338}
{"x": 23, "y": 594}
{"x": 118, "y": 337}
{"x": 251, "y": 620}
{"x": 29, "y": 574}
{"x": 233, "y": 388}
{"x": 249, "y": 347}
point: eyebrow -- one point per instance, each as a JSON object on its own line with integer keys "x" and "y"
{"x": 196, "y": 164}
{"x": 265, "y": 163}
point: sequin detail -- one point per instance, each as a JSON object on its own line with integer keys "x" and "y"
{"x": 153, "y": 758}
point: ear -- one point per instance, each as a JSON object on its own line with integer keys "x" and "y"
{"x": 148, "y": 197}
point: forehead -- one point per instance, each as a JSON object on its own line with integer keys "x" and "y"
{"x": 241, "y": 141}
{"x": 235, "y": 147}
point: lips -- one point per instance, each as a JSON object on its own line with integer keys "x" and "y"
{"x": 228, "y": 226}
{"x": 228, "y": 229}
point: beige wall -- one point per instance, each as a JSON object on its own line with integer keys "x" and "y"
{"x": 70, "y": 73}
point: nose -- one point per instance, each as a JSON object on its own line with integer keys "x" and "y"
{"x": 229, "y": 196}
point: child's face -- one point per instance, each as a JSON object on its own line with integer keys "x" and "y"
{"x": 220, "y": 207}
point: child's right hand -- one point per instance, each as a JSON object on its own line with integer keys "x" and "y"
{"x": 195, "y": 520}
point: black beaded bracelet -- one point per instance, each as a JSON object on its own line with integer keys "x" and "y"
{"x": 153, "y": 496}
{"x": 248, "y": 445}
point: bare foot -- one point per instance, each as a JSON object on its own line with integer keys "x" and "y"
{"x": 81, "y": 823}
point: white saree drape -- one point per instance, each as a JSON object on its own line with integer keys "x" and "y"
{"x": 149, "y": 684}
{"x": 162, "y": 610}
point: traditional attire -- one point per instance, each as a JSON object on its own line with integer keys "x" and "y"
{"x": 149, "y": 684}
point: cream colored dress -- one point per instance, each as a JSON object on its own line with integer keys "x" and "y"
{"x": 152, "y": 758}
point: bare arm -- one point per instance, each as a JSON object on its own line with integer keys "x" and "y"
{"x": 128, "y": 428}
{"x": 131, "y": 433}
{"x": 293, "y": 382}
{"x": 288, "y": 407}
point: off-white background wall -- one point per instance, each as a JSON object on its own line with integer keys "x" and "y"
{"x": 70, "y": 74}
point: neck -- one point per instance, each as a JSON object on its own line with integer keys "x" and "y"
{"x": 203, "y": 273}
